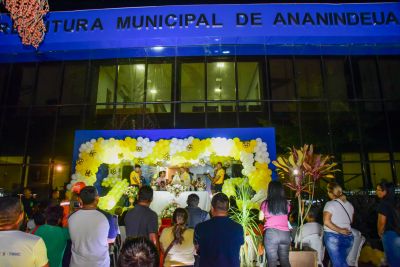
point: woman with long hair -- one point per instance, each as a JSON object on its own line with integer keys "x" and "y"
{"x": 388, "y": 222}
{"x": 177, "y": 241}
{"x": 338, "y": 216}
{"x": 275, "y": 209}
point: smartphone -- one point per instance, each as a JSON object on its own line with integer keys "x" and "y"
{"x": 76, "y": 205}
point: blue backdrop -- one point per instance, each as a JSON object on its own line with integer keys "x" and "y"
{"x": 372, "y": 28}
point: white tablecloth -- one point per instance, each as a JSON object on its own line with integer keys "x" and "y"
{"x": 161, "y": 199}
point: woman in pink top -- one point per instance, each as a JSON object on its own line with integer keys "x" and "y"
{"x": 276, "y": 236}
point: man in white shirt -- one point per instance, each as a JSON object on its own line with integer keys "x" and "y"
{"x": 18, "y": 248}
{"x": 91, "y": 231}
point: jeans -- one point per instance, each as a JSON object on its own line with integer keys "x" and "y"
{"x": 277, "y": 244}
{"x": 338, "y": 247}
{"x": 391, "y": 246}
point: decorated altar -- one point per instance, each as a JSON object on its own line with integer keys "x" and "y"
{"x": 106, "y": 159}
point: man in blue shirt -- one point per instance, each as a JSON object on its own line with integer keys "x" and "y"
{"x": 219, "y": 239}
{"x": 196, "y": 215}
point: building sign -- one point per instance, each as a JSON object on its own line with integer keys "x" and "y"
{"x": 208, "y": 25}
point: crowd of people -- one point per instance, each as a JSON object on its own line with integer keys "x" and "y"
{"x": 53, "y": 234}
{"x": 336, "y": 231}
{"x": 91, "y": 231}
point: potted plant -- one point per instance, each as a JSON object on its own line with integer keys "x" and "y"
{"x": 131, "y": 192}
{"x": 244, "y": 216}
{"x": 300, "y": 170}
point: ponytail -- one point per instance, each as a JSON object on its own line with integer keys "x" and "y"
{"x": 180, "y": 218}
{"x": 178, "y": 231}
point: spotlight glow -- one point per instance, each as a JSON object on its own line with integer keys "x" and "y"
{"x": 158, "y": 48}
{"x": 59, "y": 168}
{"x": 140, "y": 67}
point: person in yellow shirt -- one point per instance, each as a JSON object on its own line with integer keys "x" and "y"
{"x": 135, "y": 176}
{"x": 218, "y": 179}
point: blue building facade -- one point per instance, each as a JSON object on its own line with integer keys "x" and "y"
{"x": 326, "y": 74}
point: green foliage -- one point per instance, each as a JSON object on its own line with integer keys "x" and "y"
{"x": 300, "y": 169}
{"x": 244, "y": 216}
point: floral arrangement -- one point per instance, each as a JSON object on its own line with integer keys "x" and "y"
{"x": 131, "y": 191}
{"x": 176, "y": 189}
{"x": 174, "y": 152}
{"x": 168, "y": 211}
{"x": 200, "y": 185}
{"x": 300, "y": 169}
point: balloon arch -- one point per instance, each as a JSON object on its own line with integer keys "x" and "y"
{"x": 253, "y": 147}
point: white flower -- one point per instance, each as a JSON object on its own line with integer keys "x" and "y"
{"x": 131, "y": 191}
{"x": 168, "y": 211}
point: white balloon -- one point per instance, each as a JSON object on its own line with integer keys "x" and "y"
{"x": 69, "y": 186}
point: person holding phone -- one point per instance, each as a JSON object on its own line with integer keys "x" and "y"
{"x": 218, "y": 179}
